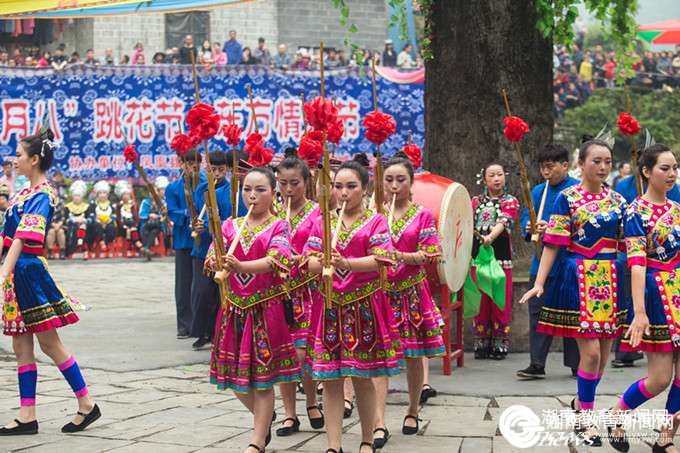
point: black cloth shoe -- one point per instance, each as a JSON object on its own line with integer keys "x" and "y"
{"x": 426, "y": 393}
{"x": 333, "y": 450}
{"x": 656, "y": 448}
{"x": 183, "y": 335}
{"x": 285, "y": 431}
{"x": 373, "y": 447}
{"x": 532, "y": 372}
{"x": 616, "y": 363}
{"x": 618, "y": 443}
{"x": 317, "y": 423}
{"x": 256, "y": 447}
{"x": 379, "y": 442}
{"x": 349, "y": 407}
{"x": 200, "y": 343}
{"x": 410, "y": 430}
{"x": 21, "y": 429}
{"x": 90, "y": 418}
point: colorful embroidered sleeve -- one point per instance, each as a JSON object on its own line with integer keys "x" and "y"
{"x": 313, "y": 246}
{"x": 279, "y": 246}
{"x": 380, "y": 241}
{"x": 33, "y": 221}
{"x": 635, "y": 237}
{"x": 509, "y": 212}
{"x": 558, "y": 231}
{"x": 428, "y": 236}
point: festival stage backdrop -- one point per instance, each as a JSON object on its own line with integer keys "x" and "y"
{"x": 96, "y": 111}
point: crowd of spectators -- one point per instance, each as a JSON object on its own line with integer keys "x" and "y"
{"x": 578, "y": 71}
{"x": 231, "y": 52}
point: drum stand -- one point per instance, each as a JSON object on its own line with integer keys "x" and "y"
{"x": 454, "y": 350}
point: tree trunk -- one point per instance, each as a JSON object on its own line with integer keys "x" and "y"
{"x": 479, "y": 48}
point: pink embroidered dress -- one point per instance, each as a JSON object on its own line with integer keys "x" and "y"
{"x": 414, "y": 310}
{"x": 32, "y": 301}
{"x": 299, "y": 297}
{"x": 653, "y": 240}
{"x": 584, "y": 301}
{"x": 252, "y": 347}
{"x": 355, "y": 336}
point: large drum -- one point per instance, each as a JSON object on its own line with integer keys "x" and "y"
{"x": 450, "y": 203}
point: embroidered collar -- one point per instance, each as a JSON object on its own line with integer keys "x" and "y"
{"x": 22, "y": 196}
{"x": 248, "y": 236}
{"x": 345, "y": 236}
{"x": 400, "y": 225}
{"x": 301, "y": 216}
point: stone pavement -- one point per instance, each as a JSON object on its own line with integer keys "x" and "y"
{"x": 155, "y": 396}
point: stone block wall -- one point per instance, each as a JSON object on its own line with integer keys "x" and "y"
{"x": 306, "y": 22}
{"x": 292, "y": 22}
{"x": 251, "y": 20}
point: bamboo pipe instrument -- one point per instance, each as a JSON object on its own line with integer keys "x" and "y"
{"x": 195, "y": 234}
{"x": 539, "y": 216}
{"x": 336, "y": 233}
{"x": 524, "y": 179}
{"x": 390, "y": 215}
{"x": 288, "y": 201}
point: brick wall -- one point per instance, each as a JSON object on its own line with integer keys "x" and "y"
{"x": 293, "y": 22}
{"x": 250, "y": 20}
{"x": 306, "y": 22}
{"x": 122, "y": 33}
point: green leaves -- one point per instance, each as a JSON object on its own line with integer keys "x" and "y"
{"x": 557, "y": 17}
{"x": 658, "y": 111}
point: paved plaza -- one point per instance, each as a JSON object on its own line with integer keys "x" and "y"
{"x": 155, "y": 396}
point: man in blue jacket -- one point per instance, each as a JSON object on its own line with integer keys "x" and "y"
{"x": 553, "y": 161}
{"x": 205, "y": 297}
{"x": 233, "y": 49}
{"x": 182, "y": 240}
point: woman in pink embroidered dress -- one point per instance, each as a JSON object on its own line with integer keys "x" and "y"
{"x": 416, "y": 243}
{"x": 584, "y": 302}
{"x": 293, "y": 175}
{"x": 353, "y": 337}
{"x": 252, "y": 348}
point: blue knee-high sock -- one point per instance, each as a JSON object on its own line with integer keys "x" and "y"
{"x": 636, "y": 395}
{"x": 74, "y": 377}
{"x": 28, "y": 381}
{"x": 586, "y": 384}
{"x": 673, "y": 401}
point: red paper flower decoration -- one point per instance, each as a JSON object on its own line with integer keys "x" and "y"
{"x": 379, "y": 126}
{"x": 232, "y": 133}
{"x": 627, "y": 124}
{"x": 181, "y": 143}
{"x": 335, "y": 132}
{"x": 130, "y": 154}
{"x": 203, "y": 121}
{"x": 253, "y": 142}
{"x": 311, "y": 148}
{"x": 260, "y": 156}
{"x": 414, "y": 154}
{"x": 321, "y": 113}
{"x": 515, "y": 128}
{"x": 198, "y": 112}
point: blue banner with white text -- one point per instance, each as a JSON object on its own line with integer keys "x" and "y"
{"x": 95, "y": 111}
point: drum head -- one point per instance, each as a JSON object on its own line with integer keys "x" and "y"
{"x": 455, "y": 230}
